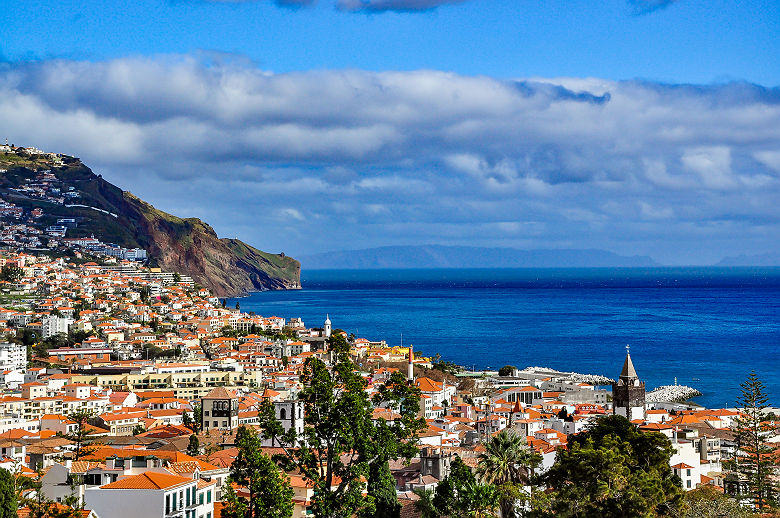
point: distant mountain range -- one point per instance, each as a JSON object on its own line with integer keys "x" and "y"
{"x": 770, "y": 259}
{"x": 439, "y": 256}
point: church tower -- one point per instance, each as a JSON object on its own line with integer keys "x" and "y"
{"x": 326, "y": 330}
{"x": 628, "y": 394}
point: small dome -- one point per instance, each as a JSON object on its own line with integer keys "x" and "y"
{"x": 327, "y": 320}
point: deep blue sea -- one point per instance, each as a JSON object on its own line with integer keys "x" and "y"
{"x": 708, "y": 327}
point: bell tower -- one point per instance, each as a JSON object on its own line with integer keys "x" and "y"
{"x": 327, "y": 330}
{"x": 628, "y": 393}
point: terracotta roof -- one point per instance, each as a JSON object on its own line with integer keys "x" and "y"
{"x": 148, "y": 480}
{"x": 219, "y": 393}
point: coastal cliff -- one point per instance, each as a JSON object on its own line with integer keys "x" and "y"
{"x": 229, "y": 267}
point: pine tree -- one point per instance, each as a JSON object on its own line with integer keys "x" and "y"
{"x": 381, "y": 486}
{"x": 341, "y": 441}
{"x": 193, "y": 448}
{"x": 752, "y": 462}
{"x": 8, "y": 499}
{"x": 80, "y": 436}
{"x": 270, "y": 493}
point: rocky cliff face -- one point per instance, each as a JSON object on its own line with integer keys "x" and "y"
{"x": 228, "y": 267}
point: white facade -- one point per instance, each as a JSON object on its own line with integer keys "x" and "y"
{"x": 11, "y": 379}
{"x": 12, "y": 356}
{"x": 631, "y": 413}
{"x": 52, "y": 325}
{"x": 182, "y": 500}
{"x": 290, "y": 414}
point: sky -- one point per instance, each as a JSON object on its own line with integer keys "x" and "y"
{"x": 644, "y": 127}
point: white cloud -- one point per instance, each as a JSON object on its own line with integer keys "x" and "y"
{"x": 712, "y": 164}
{"x": 423, "y": 146}
{"x": 770, "y": 159}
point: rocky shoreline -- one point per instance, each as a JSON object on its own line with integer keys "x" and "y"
{"x": 671, "y": 394}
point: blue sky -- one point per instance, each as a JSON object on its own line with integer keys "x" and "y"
{"x": 643, "y": 127}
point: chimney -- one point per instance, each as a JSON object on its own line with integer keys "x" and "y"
{"x": 410, "y": 366}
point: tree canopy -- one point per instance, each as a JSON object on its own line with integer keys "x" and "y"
{"x": 269, "y": 491}
{"x": 459, "y": 495}
{"x": 8, "y": 498}
{"x": 342, "y": 450}
{"x": 613, "y": 469}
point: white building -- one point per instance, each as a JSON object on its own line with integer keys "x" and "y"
{"x": 52, "y": 325}
{"x": 290, "y": 414}
{"x": 11, "y": 378}
{"x": 152, "y": 495}
{"x": 12, "y": 356}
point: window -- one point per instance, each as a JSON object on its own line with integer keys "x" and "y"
{"x": 688, "y": 484}
{"x": 200, "y": 499}
{"x": 283, "y": 413}
{"x": 208, "y": 496}
{"x": 167, "y": 504}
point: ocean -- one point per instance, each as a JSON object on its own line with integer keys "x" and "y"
{"x": 706, "y": 327}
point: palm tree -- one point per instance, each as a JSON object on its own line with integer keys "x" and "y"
{"x": 507, "y": 463}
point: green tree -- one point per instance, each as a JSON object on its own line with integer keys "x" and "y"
{"x": 197, "y": 412}
{"x": 506, "y": 370}
{"x": 270, "y": 494}
{"x": 340, "y": 442}
{"x": 459, "y": 495}
{"x": 193, "y": 447}
{"x": 8, "y": 497}
{"x": 381, "y": 486}
{"x": 176, "y": 277}
{"x": 79, "y": 336}
{"x": 44, "y": 508}
{"x": 507, "y": 464}
{"x": 613, "y": 470}
{"x": 238, "y": 305}
{"x": 26, "y": 336}
{"x": 752, "y": 464}
{"x": 11, "y": 273}
{"x": 709, "y": 502}
{"x": 187, "y": 420}
{"x": 80, "y": 436}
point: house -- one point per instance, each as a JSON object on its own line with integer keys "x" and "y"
{"x": 440, "y": 392}
{"x": 151, "y": 495}
{"x": 220, "y": 410}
